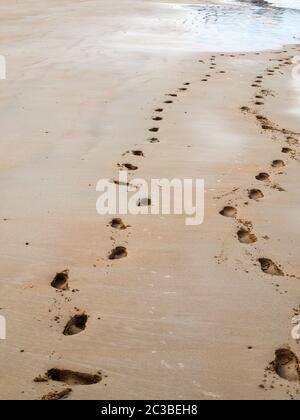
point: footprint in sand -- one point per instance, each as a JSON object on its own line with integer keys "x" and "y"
{"x": 137, "y": 153}
{"x": 255, "y": 194}
{"x": 118, "y": 253}
{"x": 286, "y": 150}
{"x": 278, "y": 163}
{"x": 269, "y": 267}
{"x": 229, "y": 211}
{"x": 117, "y": 223}
{"x": 168, "y": 102}
{"x": 76, "y": 325}
{"x": 157, "y": 118}
{"x": 130, "y": 167}
{"x": 154, "y": 130}
{"x": 60, "y": 281}
{"x": 246, "y": 237}
{"x": 159, "y": 110}
{"x": 263, "y": 176}
{"x": 245, "y": 109}
{"x": 72, "y": 378}
{"x": 286, "y": 365}
{"x": 260, "y": 118}
{"x": 154, "y": 140}
{"x": 57, "y": 395}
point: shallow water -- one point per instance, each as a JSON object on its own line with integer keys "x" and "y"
{"x": 247, "y": 25}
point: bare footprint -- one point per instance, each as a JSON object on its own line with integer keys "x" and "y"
{"x": 57, "y": 395}
{"x": 60, "y": 281}
{"x": 130, "y": 167}
{"x": 137, "y": 153}
{"x": 255, "y": 194}
{"x": 263, "y": 176}
{"x": 118, "y": 253}
{"x": 73, "y": 378}
{"x": 76, "y": 325}
{"x": 229, "y": 211}
{"x": 269, "y": 267}
{"x": 286, "y": 365}
{"x": 278, "y": 163}
{"x": 246, "y": 237}
{"x": 117, "y": 223}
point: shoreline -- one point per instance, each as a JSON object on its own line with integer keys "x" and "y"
{"x": 188, "y": 314}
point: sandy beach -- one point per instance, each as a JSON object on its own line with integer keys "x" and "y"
{"x": 192, "y": 312}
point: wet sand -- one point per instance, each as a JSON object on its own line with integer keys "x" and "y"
{"x": 190, "y": 312}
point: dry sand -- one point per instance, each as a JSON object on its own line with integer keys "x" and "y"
{"x": 188, "y": 314}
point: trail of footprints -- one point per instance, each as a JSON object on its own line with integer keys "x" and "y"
{"x": 78, "y": 322}
{"x": 286, "y": 364}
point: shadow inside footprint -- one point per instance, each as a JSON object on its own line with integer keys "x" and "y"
{"x": 73, "y": 378}
{"x": 154, "y": 140}
{"x": 269, "y": 267}
{"x": 154, "y": 129}
{"x": 255, "y": 194}
{"x": 228, "y": 211}
{"x": 137, "y": 153}
{"x": 246, "y": 237}
{"x": 117, "y": 223}
{"x": 157, "y": 118}
{"x": 286, "y": 365}
{"x": 60, "y": 281}
{"x": 278, "y": 163}
{"x": 263, "y": 176}
{"x": 118, "y": 253}
{"x": 286, "y": 150}
{"x": 76, "y": 325}
{"x": 130, "y": 167}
